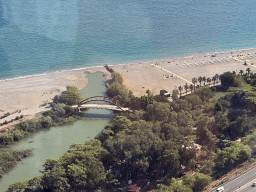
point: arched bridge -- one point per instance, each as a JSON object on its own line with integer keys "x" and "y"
{"x": 115, "y": 105}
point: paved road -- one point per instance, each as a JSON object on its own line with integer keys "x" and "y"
{"x": 249, "y": 189}
{"x": 241, "y": 181}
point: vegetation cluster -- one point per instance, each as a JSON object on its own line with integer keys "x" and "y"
{"x": 8, "y": 159}
{"x": 60, "y": 113}
{"x": 186, "y": 142}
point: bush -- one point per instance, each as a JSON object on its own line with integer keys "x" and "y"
{"x": 117, "y": 77}
{"x": 17, "y": 134}
{"x": 46, "y": 122}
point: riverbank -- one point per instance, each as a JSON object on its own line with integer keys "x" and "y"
{"x": 54, "y": 142}
{"x": 26, "y": 95}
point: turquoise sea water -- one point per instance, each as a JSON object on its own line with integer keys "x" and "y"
{"x": 38, "y": 36}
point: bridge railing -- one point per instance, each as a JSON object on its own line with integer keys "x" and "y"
{"x": 101, "y": 98}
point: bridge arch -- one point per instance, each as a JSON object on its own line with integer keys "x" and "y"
{"x": 100, "y": 98}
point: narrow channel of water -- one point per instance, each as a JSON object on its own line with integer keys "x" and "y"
{"x": 56, "y": 141}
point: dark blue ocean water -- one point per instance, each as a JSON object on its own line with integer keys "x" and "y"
{"x": 38, "y": 36}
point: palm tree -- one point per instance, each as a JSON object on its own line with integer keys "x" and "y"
{"x": 186, "y": 88}
{"x": 180, "y": 89}
{"x": 217, "y": 77}
{"x": 208, "y": 80}
{"x": 214, "y": 78}
{"x": 204, "y": 79}
{"x": 200, "y": 80}
{"x": 191, "y": 86}
{"x": 194, "y": 81}
{"x": 234, "y": 72}
{"x": 241, "y": 72}
{"x": 248, "y": 70}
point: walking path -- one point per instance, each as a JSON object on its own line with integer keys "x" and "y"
{"x": 172, "y": 73}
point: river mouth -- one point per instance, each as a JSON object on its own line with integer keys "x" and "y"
{"x": 53, "y": 143}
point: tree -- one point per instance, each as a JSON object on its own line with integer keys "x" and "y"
{"x": 209, "y": 80}
{"x": 175, "y": 93}
{"x": 117, "y": 77}
{"x": 221, "y": 122}
{"x": 227, "y": 79}
{"x": 46, "y": 122}
{"x": 120, "y": 123}
{"x": 218, "y": 107}
{"x": 184, "y": 119}
{"x": 194, "y": 81}
{"x": 148, "y": 92}
{"x": 217, "y": 77}
{"x": 214, "y": 78}
{"x": 35, "y": 183}
{"x": 17, "y": 186}
{"x": 188, "y": 180}
{"x": 116, "y": 89}
{"x": 55, "y": 179}
{"x": 191, "y": 87}
{"x": 204, "y": 93}
{"x": 72, "y": 96}
{"x": 169, "y": 163}
{"x": 241, "y": 72}
{"x": 204, "y": 136}
{"x": 180, "y": 104}
{"x": 176, "y": 186}
{"x": 194, "y": 100}
{"x": 204, "y": 79}
{"x": 201, "y": 181}
{"x": 186, "y": 88}
{"x": 158, "y": 112}
{"x": 200, "y": 79}
{"x": 180, "y": 89}
{"x": 248, "y": 70}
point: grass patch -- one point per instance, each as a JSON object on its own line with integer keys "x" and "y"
{"x": 191, "y": 137}
{"x": 217, "y": 95}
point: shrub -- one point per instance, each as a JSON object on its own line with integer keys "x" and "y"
{"x": 46, "y": 122}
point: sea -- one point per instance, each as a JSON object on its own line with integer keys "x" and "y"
{"x": 42, "y": 36}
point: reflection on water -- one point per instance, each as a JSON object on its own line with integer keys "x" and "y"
{"x": 98, "y": 116}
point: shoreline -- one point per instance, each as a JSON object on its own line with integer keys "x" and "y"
{"x": 185, "y": 57}
{"x": 27, "y": 93}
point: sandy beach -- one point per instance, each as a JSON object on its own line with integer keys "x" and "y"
{"x": 169, "y": 74}
{"x": 25, "y": 95}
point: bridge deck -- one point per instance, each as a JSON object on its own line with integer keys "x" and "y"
{"x": 101, "y": 106}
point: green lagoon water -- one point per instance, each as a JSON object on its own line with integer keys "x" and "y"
{"x": 56, "y": 141}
